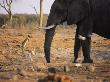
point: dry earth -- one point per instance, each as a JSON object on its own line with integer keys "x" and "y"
{"x": 22, "y": 57}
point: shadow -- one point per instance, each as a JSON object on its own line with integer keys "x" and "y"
{"x": 51, "y": 76}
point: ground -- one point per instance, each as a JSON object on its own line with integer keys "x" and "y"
{"x": 22, "y": 57}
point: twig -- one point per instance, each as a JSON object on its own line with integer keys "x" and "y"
{"x": 35, "y": 10}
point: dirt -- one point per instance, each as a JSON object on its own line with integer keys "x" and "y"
{"x": 22, "y": 57}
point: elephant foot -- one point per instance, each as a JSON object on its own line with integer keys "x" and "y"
{"x": 75, "y": 61}
{"x": 48, "y": 60}
{"x": 87, "y": 61}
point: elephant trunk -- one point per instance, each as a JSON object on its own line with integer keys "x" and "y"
{"x": 48, "y": 40}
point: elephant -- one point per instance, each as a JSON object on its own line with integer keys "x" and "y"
{"x": 90, "y": 16}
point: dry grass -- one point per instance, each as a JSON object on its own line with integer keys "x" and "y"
{"x": 23, "y": 49}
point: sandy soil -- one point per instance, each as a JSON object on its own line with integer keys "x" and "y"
{"x": 22, "y": 57}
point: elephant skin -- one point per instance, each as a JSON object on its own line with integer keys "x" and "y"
{"x": 90, "y": 16}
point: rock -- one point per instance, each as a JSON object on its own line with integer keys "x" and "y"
{"x": 52, "y": 70}
{"x": 78, "y": 64}
{"x": 66, "y": 69}
{"x": 14, "y": 77}
{"x": 6, "y": 76}
{"x": 22, "y": 72}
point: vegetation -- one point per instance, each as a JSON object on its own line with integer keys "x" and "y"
{"x": 22, "y": 20}
{"x": 7, "y": 4}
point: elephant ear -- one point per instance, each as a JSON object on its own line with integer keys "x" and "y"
{"x": 77, "y": 11}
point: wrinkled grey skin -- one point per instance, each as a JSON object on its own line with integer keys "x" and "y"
{"x": 90, "y": 16}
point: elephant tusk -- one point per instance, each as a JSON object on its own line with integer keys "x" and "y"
{"x": 82, "y": 37}
{"x": 48, "y": 27}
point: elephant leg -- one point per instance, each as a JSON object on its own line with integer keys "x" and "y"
{"x": 85, "y": 32}
{"x": 86, "y": 44}
{"x": 77, "y": 46}
{"x": 47, "y": 45}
